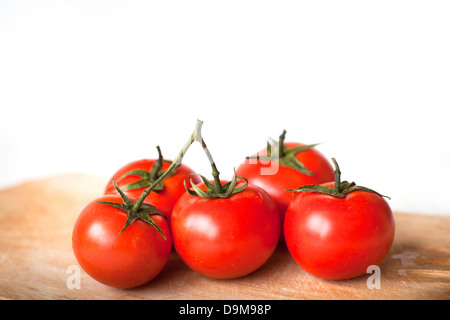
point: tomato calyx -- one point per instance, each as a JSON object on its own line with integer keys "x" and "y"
{"x": 340, "y": 189}
{"x": 215, "y": 190}
{"x": 148, "y": 177}
{"x": 278, "y": 151}
{"x": 143, "y": 211}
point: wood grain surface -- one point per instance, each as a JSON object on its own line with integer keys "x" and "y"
{"x": 37, "y": 262}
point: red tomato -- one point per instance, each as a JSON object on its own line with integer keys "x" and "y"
{"x": 122, "y": 260}
{"x": 170, "y": 189}
{"x": 226, "y": 238}
{"x": 276, "y": 179}
{"x": 338, "y": 238}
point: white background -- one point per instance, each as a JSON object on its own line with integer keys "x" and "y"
{"x": 87, "y": 86}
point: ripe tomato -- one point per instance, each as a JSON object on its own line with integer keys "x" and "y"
{"x": 119, "y": 259}
{"x": 276, "y": 177}
{"x": 338, "y": 237}
{"x": 135, "y": 177}
{"x": 226, "y": 238}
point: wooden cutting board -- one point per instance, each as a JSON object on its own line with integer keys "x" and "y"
{"x": 37, "y": 262}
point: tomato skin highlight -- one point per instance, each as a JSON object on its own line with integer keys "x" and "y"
{"x": 121, "y": 260}
{"x": 226, "y": 238}
{"x": 164, "y": 200}
{"x": 335, "y": 238}
{"x": 287, "y": 178}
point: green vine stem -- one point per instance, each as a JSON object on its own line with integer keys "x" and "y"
{"x": 215, "y": 172}
{"x": 216, "y": 190}
{"x": 176, "y": 163}
{"x": 340, "y": 189}
{"x": 141, "y": 210}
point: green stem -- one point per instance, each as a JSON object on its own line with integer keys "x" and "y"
{"x": 157, "y": 166}
{"x": 281, "y": 144}
{"x": 141, "y": 210}
{"x": 176, "y": 163}
{"x": 337, "y": 176}
{"x": 215, "y": 172}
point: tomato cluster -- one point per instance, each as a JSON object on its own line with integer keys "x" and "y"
{"x": 287, "y": 193}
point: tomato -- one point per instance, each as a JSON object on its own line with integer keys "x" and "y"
{"x": 226, "y": 238}
{"x": 276, "y": 177}
{"x": 335, "y": 237}
{"x": 124, "y": 259}
{"x": 135, "y": 176}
